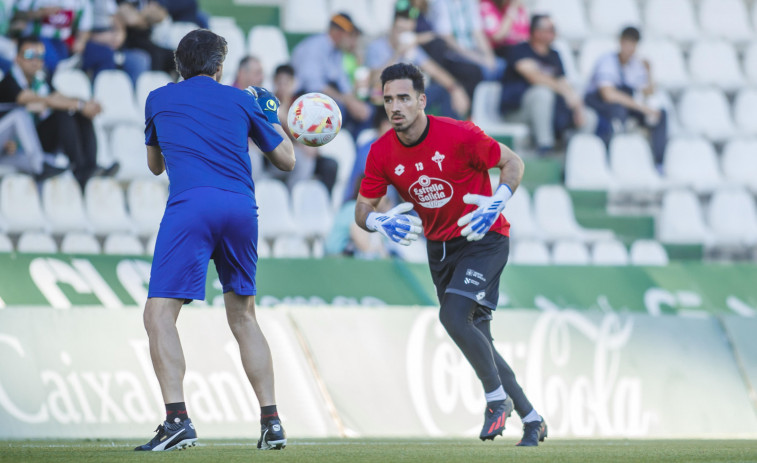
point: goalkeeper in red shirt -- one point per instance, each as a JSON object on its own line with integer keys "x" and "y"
{"x": 440, "y": 168}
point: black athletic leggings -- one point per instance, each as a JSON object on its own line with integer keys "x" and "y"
{"x": 473, "y": 336}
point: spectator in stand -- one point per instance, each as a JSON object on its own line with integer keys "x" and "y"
{"x": 20, "y": 147}
{"x": 318, "y": 65}
{"x": 186, "y": 11}
{"x": 459, "y": 23}
{"x": 401, "y": 45}
{"x": 505, "y": 23}
{"x": 249, "y": 73}
{"x": 536, "y": 92}
{"x": 465, "y": 71}
{"x": 284, "y": 85}
{"x": 619, "y": 90}
{"x": 139, "y": 18}
{"x": 64, "y": 26}
{"x": 105, "y": 49}
{"x": 63, "y": 123}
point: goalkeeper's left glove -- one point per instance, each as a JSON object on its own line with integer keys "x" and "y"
{"x": 489, "y": 208}
{"x": 267, "y": 102}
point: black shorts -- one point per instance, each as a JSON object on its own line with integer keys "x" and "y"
{"x": 469, "y": 268}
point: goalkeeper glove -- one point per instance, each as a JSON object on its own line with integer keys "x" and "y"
{"x": 267, "y": 102}
{"x": 395, "y": 224}
{"x": 482, "y": 218}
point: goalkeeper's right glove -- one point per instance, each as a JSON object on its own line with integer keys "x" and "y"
{"x": 267, "y": 102}
{"x": 395, "y": 224}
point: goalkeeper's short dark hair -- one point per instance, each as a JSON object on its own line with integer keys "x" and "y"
{"x": 404, "y": 71}
{"x": 200, "y": 52}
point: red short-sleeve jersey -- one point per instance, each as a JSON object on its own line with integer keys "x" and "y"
{"x": 451, "y": 160}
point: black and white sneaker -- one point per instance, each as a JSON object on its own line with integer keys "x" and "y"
{"x": 172, "y": 436}
{"x": 494, "y": 420}
{"x": 272, "y": 436}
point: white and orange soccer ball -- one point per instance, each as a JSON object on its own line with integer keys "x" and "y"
{"x": 314, "y": 119}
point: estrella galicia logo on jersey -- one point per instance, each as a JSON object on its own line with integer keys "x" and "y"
{"x": 430, "y": 192}
{"x": 399, "y": 170}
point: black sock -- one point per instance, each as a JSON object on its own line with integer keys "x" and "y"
{"x": 268, "y": 413}
{"x": 176, "y": 411}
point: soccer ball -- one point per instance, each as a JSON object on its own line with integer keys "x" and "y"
{"x": 314, "y": 119}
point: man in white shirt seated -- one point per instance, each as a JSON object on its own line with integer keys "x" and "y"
{"x": 619, "y": 91}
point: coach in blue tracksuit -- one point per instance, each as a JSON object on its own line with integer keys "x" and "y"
{"x": 197, "y": 131}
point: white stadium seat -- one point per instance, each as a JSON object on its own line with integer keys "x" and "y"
{"x": 106, "y": 206}
{"x": 146, "y": 83}
{"x": 150, "y": 247}
{"x": 20, "y": 204}
{"x": 692, "y": 162}
{"x": 382, "y": 16}
{"x": 739, "y": 163}
{"x": 123, "y": 244}
{"x": 681, "y": 219}
{"x": 127, "y": 146}
{"x": 609, "y": 17}
{"x": 485, "y": 113}
{"x": 727, "y": 19}
{"x": 530, "y": 252}
{"x": 63, "y": 204}
{"x": 569, "y": 17}
{"x": 115, "y": 92}
{"x": 745, "y": 111}
{"x": 264, "y": 250}
{"x": 519, "y": 213}
{"x": 311, "y": 209}
{"x": 342, "y": 149}
{"x": 274, "y": 211}
{"x": 305, "y": 16}
{"x": 732, "y": 216}
{"x": 750, "y": 63}
{"x": 6, "y": 245}
{"x": 554, "y": 214}
{"x": 705, "y": 111}
{"x": 591, "y": 50}
{"x": 73, "y": 83}
{"x": 648, "y": 252}
{"x": 632, "y": 165}
{"x": 570, "y": 253}
{"x": 79, "y": 243}
{"x": 268, "y": 44}
{"x": 673, "y": 19}
{"x": 609, "y": 252}
{"x": 586, "y": 166}
{"x": 36, "y": 242}
{"x": 715, "y": 62}
{"x": 290, "y": 247}
{"x": 147, "y": 202}
{"x": 236, "y": 43}
{"x": 668, "y": 67}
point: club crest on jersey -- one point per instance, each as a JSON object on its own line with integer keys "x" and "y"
{"x": 399, "y": 170}
{"x": 430, "y": 192}
{"x": 438, "y": 158}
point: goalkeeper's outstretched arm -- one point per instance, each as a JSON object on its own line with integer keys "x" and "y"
{"x": 363, "y": 207}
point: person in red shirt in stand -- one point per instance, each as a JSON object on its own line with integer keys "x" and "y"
{"x": 441, "y": 166}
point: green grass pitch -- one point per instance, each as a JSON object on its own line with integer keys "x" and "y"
{"x": 391, "y": 450}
